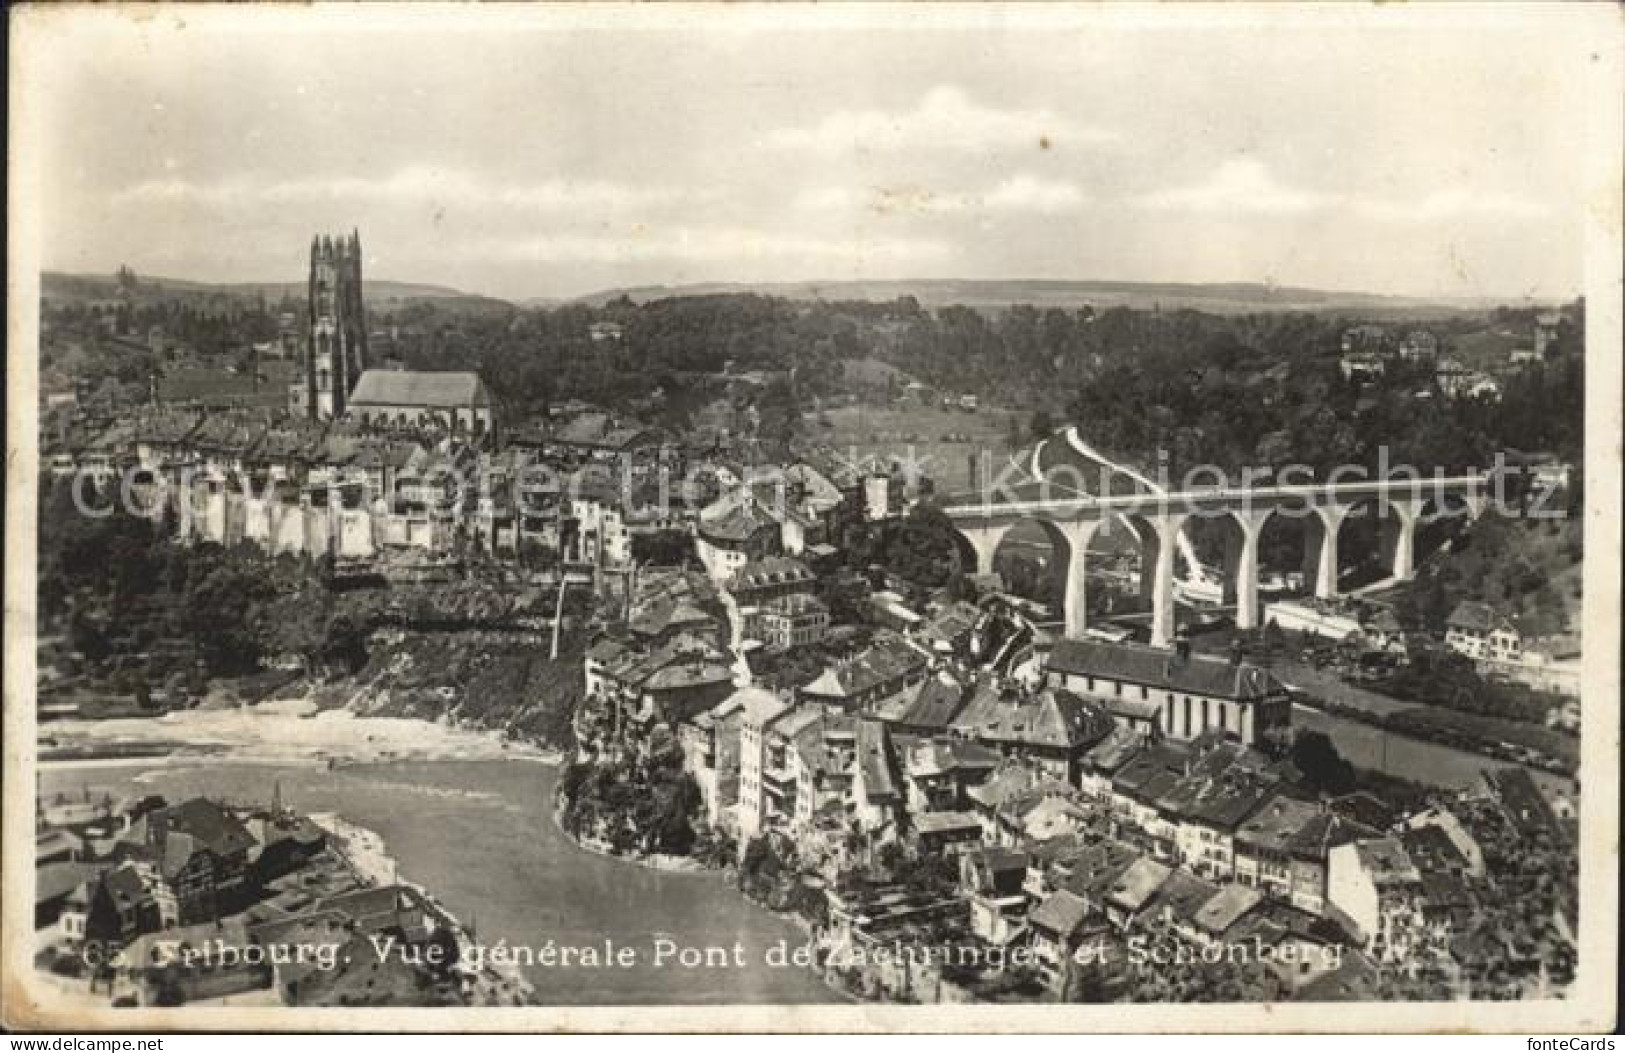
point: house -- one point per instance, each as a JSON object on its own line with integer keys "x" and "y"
{"x": 1094, "y": 872}
{"x": 945, "y": 831}
{"x": 992, "y": 798}
{"x": 54, "y": 886}
{"x": 686, "y": 684}
{"x": 759, "y": 802}
{"x": 770, "y": 578}
{"x": 1045, "y": 817}
{"x": 214, "y": 388}
{"x": 1220, "y": 914}
{"x": 1364, "y": 338}
{"x": 203, "y": 852}
{"x": 1522, "y": 802}
{"x": 1131, "y": 893}
{"x": 593, "y": 435}
{"x": 1459, "y": 381}
{"x": 876, "y": 788}
{"x": 950, "y": 630}
{"x": 404, "y": 399}
{"x": 938, "y": 773}
{"x": 710, "y": 742}
{"x": 286, "y": 843}
{"x": 823, "y": 752}
{"x": 1308, "y": 851}
{"x": 1060, "y": 925}
{"x": 675, "y": 680}
{"x": 1464, "y": 845}
{"x": 1103, "y": 760}
{"x": 593, "y": 525}
{"x": 1179, "y": 900}
{"x": 605, "y": 654}
{"x": 1548, "y": 327}
{"x": 992, "y": 880}
{"x": 128, "y": 900}
{"x": 1418, "y": 345}
{"x": 1140, "y": 783}
{"x": 604, "y": 332}
{"x": 788, "y": 622}
{"x": 1382, "y": 631}
{"x": 1374, "y": 884}
{"x": 730, "y": 534}
{"x": 1051, "y": 729}
{"x": 1477, "y": 631}
{"x": 1263, "y": 845}
{"x": 1364, "y": 367}
{"x": 927, "y": 707}
{"x": 1355, "y": 978}
{"x": 57, "y": 846}
{"x": 1192, "y": 694}
{"x": 178, "y": 959}
{"x": 883, "y": 669}
{"x": 671, "y": 602}
{"x": 1207, "y": 807}
{"x": 74, "y": 914}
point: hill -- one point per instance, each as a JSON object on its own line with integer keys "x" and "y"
{"x": 58, "y": 287}
{"x": 1220, "y": 298}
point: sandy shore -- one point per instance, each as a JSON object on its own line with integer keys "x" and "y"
{"x": 284, "y": 732}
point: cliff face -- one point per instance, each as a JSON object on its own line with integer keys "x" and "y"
{"x": 497, "y": 681}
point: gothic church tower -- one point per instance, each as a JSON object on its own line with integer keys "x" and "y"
{"x": 336, "y": 351}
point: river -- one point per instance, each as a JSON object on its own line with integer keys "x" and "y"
{"x": 481, "y": 837}
{"x": 1370, "y": 747}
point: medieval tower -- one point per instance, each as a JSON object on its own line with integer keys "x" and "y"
{"x": 336, "y": 348}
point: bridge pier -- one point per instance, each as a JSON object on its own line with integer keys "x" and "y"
{"x": 1398, "y": 536}
{"x": 1165, "y": 527}
{"x": 1241, "y": 566}
{"x": 984, "y": 541}
{"x": 1320, "y": 548}
{"x": 1075, "y": 599}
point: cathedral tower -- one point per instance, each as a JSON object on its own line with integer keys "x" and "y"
{"x": 336, "y": 350}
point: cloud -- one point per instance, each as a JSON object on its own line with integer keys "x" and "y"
{"x": 1454, "y": 203}
{"x": 944, "y": 120}
{"x": 711, "y": 245}
{"x": 416, "y": 185}
{"x": 1025, "y": 193}
{"x": 1239, "y": 187}
{"x": 1020, "y": 193}
{"x": 1246, "y": 187}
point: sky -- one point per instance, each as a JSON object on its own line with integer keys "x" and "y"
{"x": 554, "y": 155}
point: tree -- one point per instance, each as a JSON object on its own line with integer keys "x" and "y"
{"x": 346, "y": 642}
{"x": 534, "y": 555}
{"x": 663, "y": 548}
{"x": 1323, "y": 767}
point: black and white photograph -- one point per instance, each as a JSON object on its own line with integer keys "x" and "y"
{"x": 813, "y": 517}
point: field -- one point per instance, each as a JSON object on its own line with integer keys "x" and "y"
{"x": 940, "y": 441}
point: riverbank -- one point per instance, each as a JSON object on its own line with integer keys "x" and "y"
{"x": 660, "y": 861}
{"x": 286, "y": 732}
